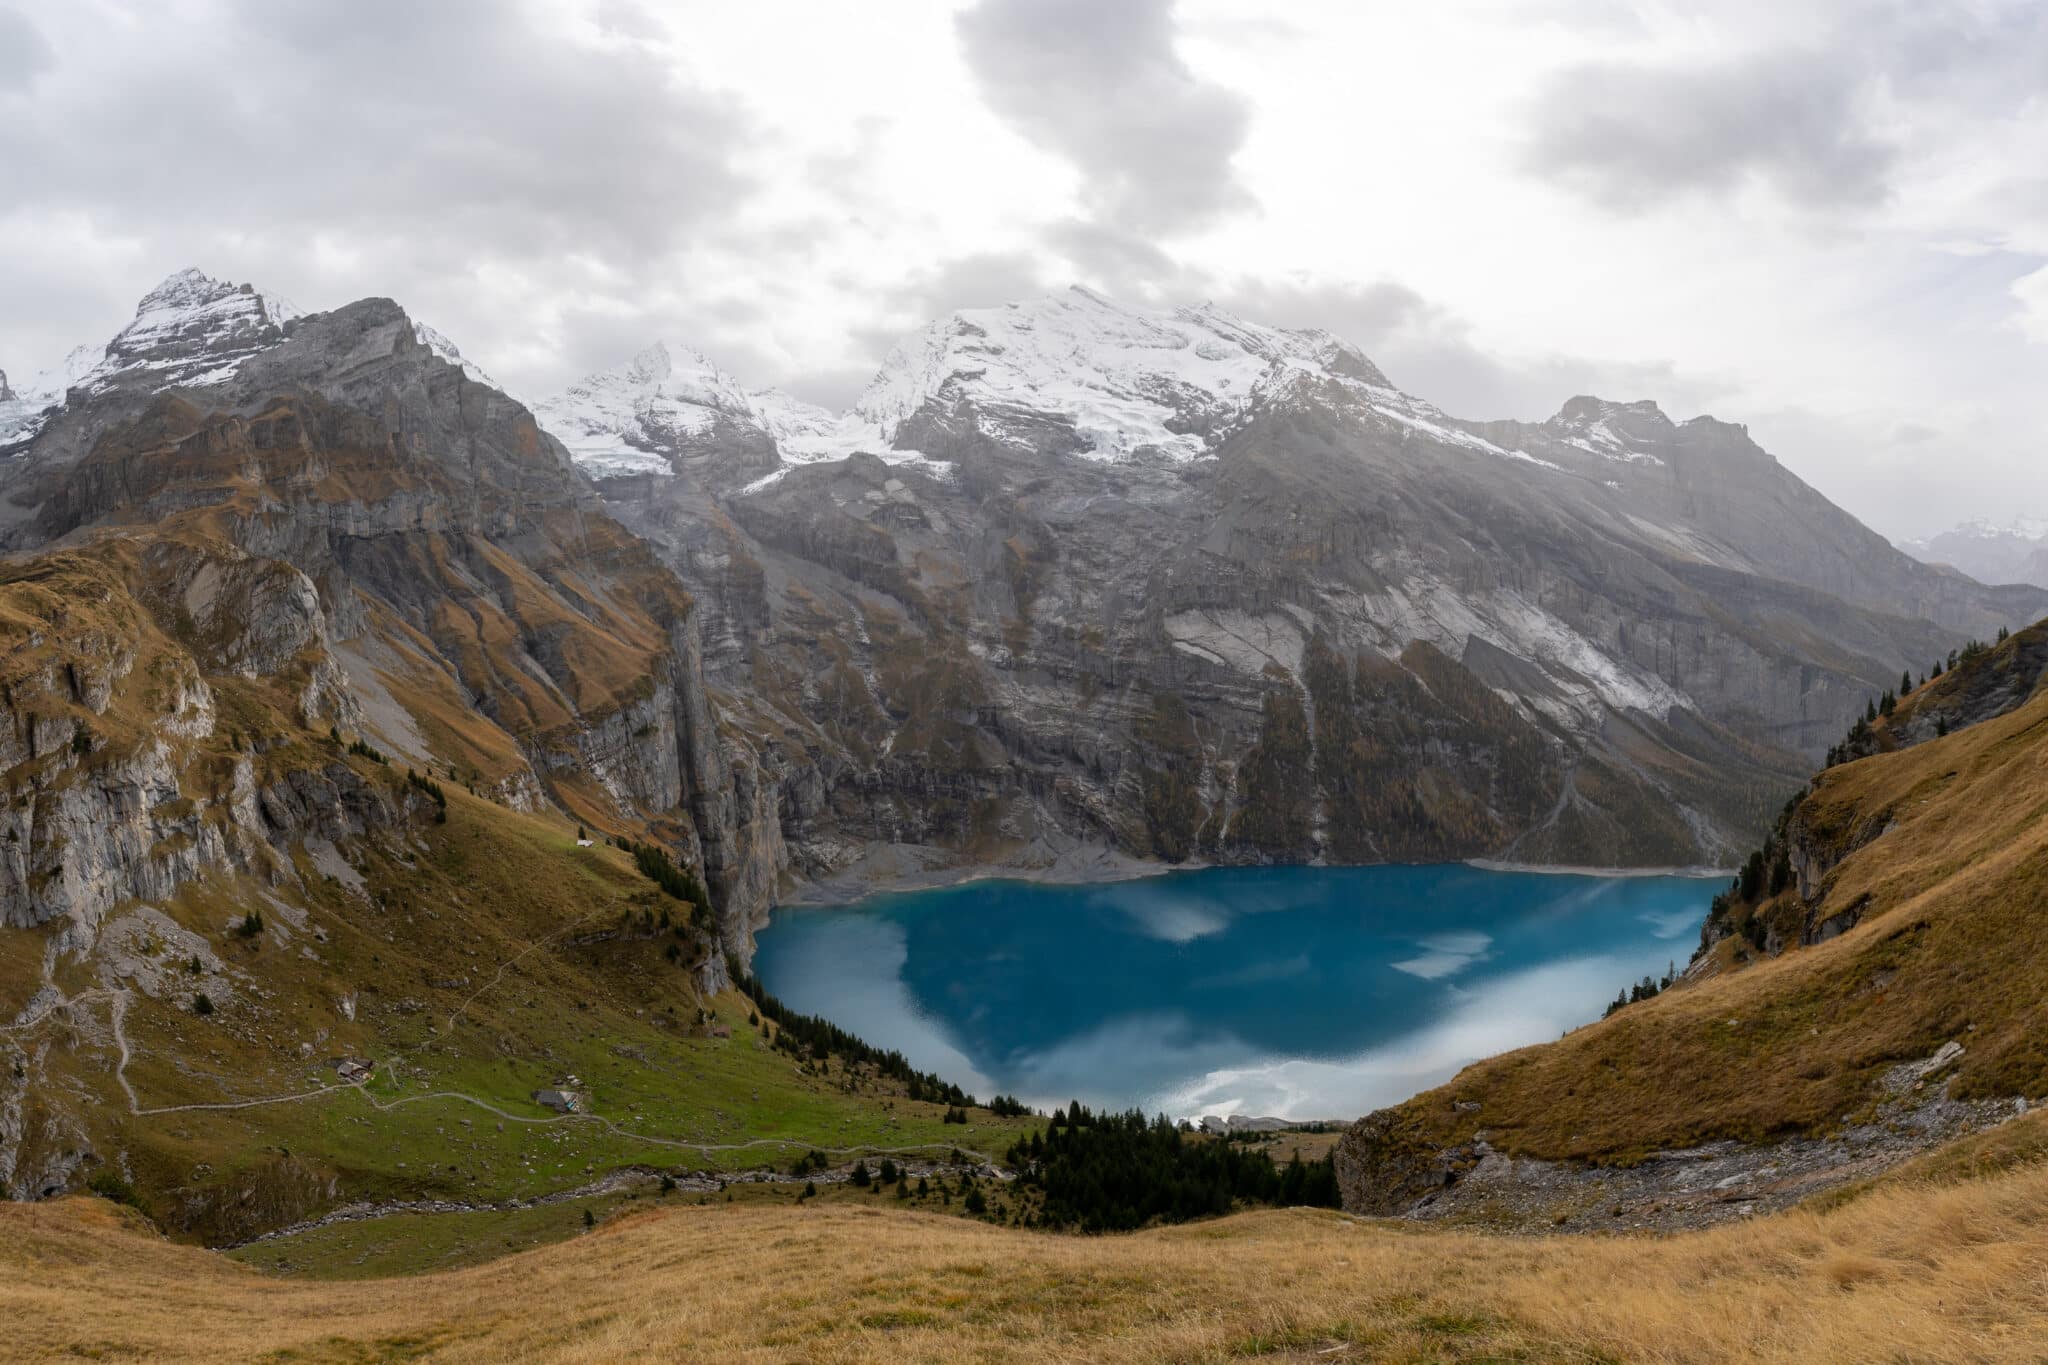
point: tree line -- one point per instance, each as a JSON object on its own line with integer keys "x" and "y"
{"x": 679, "y": 882}
{"x": 806, "y": 1035}
{"x": 1116, "y": 1172}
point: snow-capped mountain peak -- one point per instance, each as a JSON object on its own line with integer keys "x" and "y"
{"x": 631, "y": 419}
{"x": 1128, "y": 380}
{"x": 191, "y": 330}
{"x": 2019, "y": 528}
{"x": 194, "y": 329}
{"x": 441, "y": 346}
{"x": 1629, "y": 432}
{"x": 2016, "y": 552}
{"x": 1110, "y": 382}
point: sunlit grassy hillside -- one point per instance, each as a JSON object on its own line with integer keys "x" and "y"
{"x": 486, "y": 958}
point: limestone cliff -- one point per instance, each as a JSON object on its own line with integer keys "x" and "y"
{"x": 343, "y": 516}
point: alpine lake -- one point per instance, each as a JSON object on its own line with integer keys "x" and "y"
{"x": 1297, "y": 993}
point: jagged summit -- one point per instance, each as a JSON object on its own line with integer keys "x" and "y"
{"x": 194, "y": 329}
{"x": 2013, "y": 552}
{"x": 1587, "y": 408}
{"x": 1128, "y": 379}
{"x": 1121, "y": 381}
{"x": 191, "y": 330}
{"x": 1630, "y": 432}
{"x": 665, "y": 401}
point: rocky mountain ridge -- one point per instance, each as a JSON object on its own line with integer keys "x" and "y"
{"x": 2016, "y": 552}
{"x": 1069, "y": 580}
{"x": 1070, "y": 574}
{"x": 333, "y": 513}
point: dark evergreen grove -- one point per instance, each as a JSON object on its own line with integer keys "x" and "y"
{"x": 679, "y": 882}
{"x": 1116, "y": 1172}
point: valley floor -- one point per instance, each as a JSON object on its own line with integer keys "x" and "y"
{"x": 1938, "y": 1265}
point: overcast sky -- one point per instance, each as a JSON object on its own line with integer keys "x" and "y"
{"x": 1827, "y": 219}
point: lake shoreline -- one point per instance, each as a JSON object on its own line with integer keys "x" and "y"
{"x": 891, "y": 869}
{"x": 1695, "y": 871}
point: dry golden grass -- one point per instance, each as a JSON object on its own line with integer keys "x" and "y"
{"x": 1948, "y": 863}
{"x": 1908, "y": 1272}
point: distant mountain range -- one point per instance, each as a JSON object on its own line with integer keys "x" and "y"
{"x": 1071, "y": 573}
{"x": 1070, "y": 581}
{"x": 316, "y": 648}
{"x": 2014, "y": 553}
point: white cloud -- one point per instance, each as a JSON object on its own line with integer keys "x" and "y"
{"x": 2032, "y": 292}
{"x": 1826, "y": 220}
{"x": 1446, "y": 955}
{"x": 863, "y": 957}
{"x": 1512, "y": 1011}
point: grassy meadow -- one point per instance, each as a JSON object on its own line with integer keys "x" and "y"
{"x": 1931, "y": 1265}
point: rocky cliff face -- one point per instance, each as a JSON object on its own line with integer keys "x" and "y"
{"x": 126, "y": 776}
{"x": 1075, "y": 575}
{"x": 338, "y": 515}
{"x": 1069, "y": 577}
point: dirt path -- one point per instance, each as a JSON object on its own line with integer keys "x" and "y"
{"x": 119, "y": 997}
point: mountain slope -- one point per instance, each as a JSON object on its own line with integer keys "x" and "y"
{"x": 1071, "y": 576}
{"x": 238, "y": 610}
{"x": 1874, "y": 994}
{"x": 470, "y": 604}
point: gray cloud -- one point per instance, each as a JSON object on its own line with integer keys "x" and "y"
{"x": 1429, "y": 351}
{"x": 1631, "y": 136}
{"x": 1122, "y": 262}
{"x": 980, "y": 280}
{"x": 1102, "y": 86}
{"x": 379, "y": 147}
{"x": 24, "y": 52}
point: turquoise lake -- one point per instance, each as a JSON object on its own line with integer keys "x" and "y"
{"x": 1294, "y": 992}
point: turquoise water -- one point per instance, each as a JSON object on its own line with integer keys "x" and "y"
{"x": 1296, "y": 992}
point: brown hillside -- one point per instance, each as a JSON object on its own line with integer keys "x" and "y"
{"x": 1912, "y": 1272}
{"x": 1936, "y": 854}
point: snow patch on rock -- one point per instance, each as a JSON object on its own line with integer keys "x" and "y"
{"x": 190, "y": 331}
